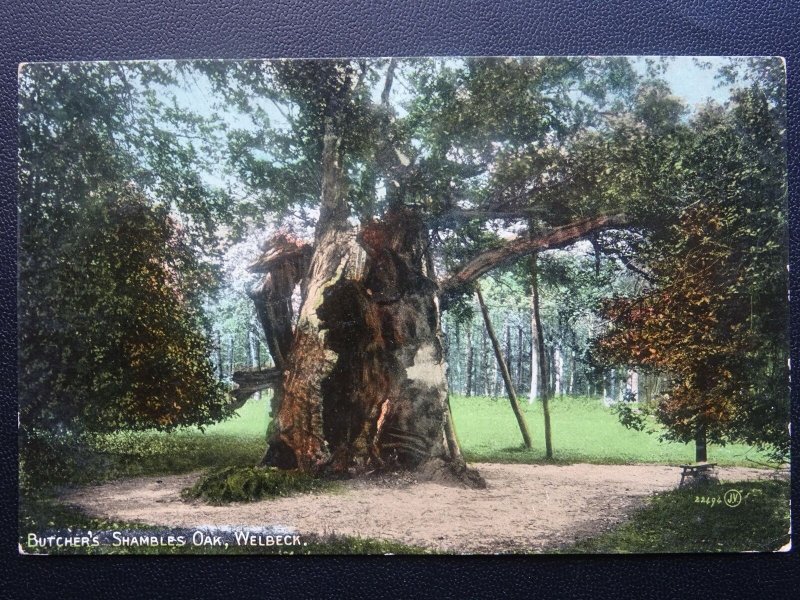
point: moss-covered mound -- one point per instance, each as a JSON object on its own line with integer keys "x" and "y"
{"x": 248, "y": 484}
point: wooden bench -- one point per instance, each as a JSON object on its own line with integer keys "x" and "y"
{"x": 696, "y": 470}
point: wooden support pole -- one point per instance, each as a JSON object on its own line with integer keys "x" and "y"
{"x": 512, "y": 396}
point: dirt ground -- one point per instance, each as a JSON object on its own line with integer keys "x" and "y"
{"x": 529, "y": 508}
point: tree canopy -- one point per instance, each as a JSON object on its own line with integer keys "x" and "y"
{"x": 117, "y": 240}
{"x": 134, "y": 193}
{"x": 715, "y": 316}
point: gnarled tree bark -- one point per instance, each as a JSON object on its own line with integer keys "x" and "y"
{"x": 364, "y": 383}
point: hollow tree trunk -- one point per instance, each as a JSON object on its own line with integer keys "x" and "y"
{"x": 298, "y": 438}
{"x": 284, "y": 263}
{"x": 365, "y": 384}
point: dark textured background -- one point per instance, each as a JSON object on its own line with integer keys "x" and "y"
{"x": 104, "y": 29}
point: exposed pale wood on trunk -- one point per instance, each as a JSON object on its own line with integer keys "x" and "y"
{"x": 365, "y": 384}
{"x": 299, "y": 439}
{"x": 284, "y": 262}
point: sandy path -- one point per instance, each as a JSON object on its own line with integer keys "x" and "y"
{"x": 524, "y": 508}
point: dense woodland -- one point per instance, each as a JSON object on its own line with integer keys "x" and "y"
{"x": 472, "y": 366}
{"x": 328, "y": 230}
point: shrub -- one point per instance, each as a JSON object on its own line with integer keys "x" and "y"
{"x": 248, "y": 484}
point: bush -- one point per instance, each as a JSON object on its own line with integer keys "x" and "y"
{"x": 248, "y": 484}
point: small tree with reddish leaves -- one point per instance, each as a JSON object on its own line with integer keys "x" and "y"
{"x": 715, "y": 317}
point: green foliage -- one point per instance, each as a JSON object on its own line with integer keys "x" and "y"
{"x": 716, "y": 315}
{"x": 630, "y": 415}
{"x": 676, "y": 522}
{"x": 248, "y": 484}
{"x": 50, "y": 460}
{"x": 117, "y": 236}
{"x": 125, "y": 347}
{"x": 114, "y": 318}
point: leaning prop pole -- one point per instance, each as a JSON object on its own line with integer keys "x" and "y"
{"x": 512, "y": 395}
{"x": 544, "y": 388}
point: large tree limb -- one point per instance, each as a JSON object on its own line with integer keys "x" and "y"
{"x": 250, "y": 382}
{"x": 558, "y": 237}
{"x": 387, "y": 85}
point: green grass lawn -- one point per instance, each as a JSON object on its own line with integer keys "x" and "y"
{"x": 583, "y": 431}
{"x": 698, "y": 520}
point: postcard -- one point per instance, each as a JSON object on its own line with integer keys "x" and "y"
{"x": 429, "y": 305}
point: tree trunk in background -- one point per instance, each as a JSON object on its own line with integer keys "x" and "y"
{"x": 613, "y": 386}
{"x": 633, "y": 383}
{"x": 485, "y": 364}
{"x": 220, "y": 364}
{"x": 256, "y": 351}
{"x": 509, "y": 358}
{"x": 248, "y": 343}
{"x": 512, "y": 396}
{"x": 558, "y": 367}
{"x": 496, "y": 379}
{"x": 470, "y": 359}
{"x": 364, "y": 384}
{"x": 700, "y": 454}
{"x": 544, "y": 391}
{"x": 520, "y": 374}
{"x": 535, "y": 327}
{"x": 456, "y": 364}
{"x": 572, "y": 369}
{"x": 230, "y": 355}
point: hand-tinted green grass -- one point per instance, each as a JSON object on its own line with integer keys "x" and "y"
{"x": 698, "y": 520}
{"x": 584, "y": 430}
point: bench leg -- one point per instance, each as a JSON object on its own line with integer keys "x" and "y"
{"x": 683, "y": 476}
